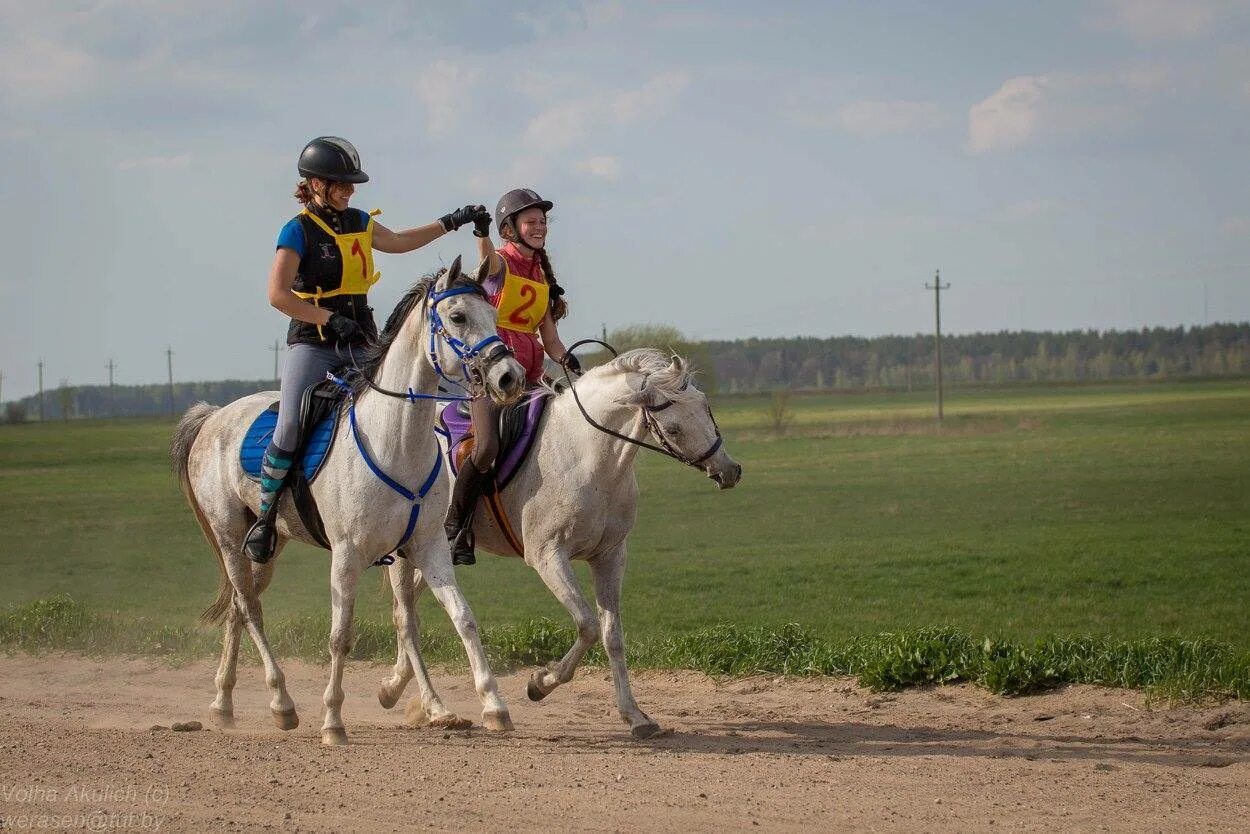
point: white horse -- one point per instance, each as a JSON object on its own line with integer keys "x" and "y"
{"x": 576, "y": 497}
{"x": 442, "y": 323}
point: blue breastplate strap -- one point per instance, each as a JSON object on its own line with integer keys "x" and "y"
{"x": 414, "y": 497}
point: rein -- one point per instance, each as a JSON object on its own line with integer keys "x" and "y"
{"x": 666, "y": 446}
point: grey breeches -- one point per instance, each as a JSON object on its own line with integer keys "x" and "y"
{"x": 305, "y": 364}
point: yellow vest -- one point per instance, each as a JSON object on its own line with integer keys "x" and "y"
{"x": 522, "y": 302}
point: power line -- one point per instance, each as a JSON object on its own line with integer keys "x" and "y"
{"x": 937, "y": 288}
{"x": 169, "y": 360}
{"x": 41, "y": 390}
{"x": 112, "y": 391}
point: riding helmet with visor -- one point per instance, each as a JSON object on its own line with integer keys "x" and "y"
{"x": 331, "y": 158}
{"x": 516, "y": 201}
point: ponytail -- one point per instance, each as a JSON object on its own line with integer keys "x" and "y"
{"x": 303, "y": 192}
{"x": 559, "y": 307}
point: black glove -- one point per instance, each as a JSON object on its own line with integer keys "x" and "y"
{"x": 343, "y": 327}
{"x": 569, "y": 361}
{"x": 462, "y": 216}
{"x": 481, "y": 224}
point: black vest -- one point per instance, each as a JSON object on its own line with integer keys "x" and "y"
{"x": 321, "y": 266}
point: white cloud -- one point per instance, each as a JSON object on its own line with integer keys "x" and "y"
{"x": 1236, "y": 226}
{"x": 157, "y": 162}
{"x": 560, "y": 126}
{"x": 652, "y": 99}
{"x": 1030, "y": 107}
{"x": 41, "y": 68}
{"x": 567, "y": 123}
{"x": 443, "y": 89}
{"x": 1009, "y": 117}
{"x": 879, "y": 118}
{"x": 1155, "y": 20}
{"x": 602, "y": 167}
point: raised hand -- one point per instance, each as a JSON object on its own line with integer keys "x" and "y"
{"x": 461, "y": 217}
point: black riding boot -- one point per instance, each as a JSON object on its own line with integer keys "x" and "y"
{"x": 262, "y": 536}
{"x": 470, "y": 484}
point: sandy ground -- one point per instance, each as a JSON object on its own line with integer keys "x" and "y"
{"x": 78, "y": 748}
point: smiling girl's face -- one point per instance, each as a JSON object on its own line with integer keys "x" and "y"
{"x": 531, "y": 227}
{"x": 336, "y": 195}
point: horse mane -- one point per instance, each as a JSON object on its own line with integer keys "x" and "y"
{"x": 369, "y": 361}
{"x": 659, "y": 369}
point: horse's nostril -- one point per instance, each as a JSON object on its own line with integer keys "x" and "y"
{"x": 505, "y": 381}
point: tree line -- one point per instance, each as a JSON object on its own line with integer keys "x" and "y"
{"x": 841, "y": 362}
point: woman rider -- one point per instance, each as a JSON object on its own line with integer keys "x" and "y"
{"x": 522, "y": 285}
{"x": 321, "y": 273}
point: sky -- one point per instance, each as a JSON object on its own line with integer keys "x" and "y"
{"x": 731, "y": 169}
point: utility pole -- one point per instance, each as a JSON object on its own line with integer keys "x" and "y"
{"x": 277, "y": 349}
{"x": 112, "y": 392}
{"x": 1206, "y": 318}
{"x": 937, "y": 288}
{"x": 1, "y": 386}
{"x": 41, "y": 390}
{"x": 169, "y": 361}
{"x": 605, "y": 331}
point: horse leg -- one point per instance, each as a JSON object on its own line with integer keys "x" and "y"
{"x": 247, "y": 587}
{"x": 407, "y": 583}
{"x": 222, "y": 708}
{"x": 436, "y": 568}
{"x": 608, "y": 572}
{"x": 344, "y": 575}
{"x": 556, "y": 572}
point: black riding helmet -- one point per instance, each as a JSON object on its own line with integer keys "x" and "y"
{"x": 331, "y": 158}
{"x": 516, "y": 201}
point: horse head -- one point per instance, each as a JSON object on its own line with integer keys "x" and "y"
{"x": 679, "y": 417}
{"x": 464, "y": 344}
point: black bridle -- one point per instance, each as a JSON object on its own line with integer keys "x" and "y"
{"x": 666, "y": 447}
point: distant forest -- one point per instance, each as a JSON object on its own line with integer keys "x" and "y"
{"x": 843, "y": 362}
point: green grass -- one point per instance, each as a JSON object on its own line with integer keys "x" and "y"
{"x": 1035, "y": 514}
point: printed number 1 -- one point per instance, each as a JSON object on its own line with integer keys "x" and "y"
{"x": 364, "y": 265}
{"x": 526, "y": 292}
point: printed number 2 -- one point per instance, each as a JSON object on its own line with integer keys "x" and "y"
{"x": 360, "y": 253}
{"x": 526, "y": 292}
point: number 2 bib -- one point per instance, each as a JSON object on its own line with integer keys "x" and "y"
{"x": 522, "y": 302}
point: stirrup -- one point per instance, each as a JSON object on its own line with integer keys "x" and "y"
{"x": 260, "y": 540}
{"x": 462, "y": 546}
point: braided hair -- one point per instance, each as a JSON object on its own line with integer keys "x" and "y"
{"x": 557, "y": 305}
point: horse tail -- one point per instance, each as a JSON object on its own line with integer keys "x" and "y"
{"x": 185, "y": 433}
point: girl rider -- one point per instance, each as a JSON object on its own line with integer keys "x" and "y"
{"x": 522, "y": 285}
{"x": 321, "y": 272}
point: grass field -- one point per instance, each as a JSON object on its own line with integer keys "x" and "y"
{"x": 1119, "y": 511}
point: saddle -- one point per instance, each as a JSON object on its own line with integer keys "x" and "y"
{"x": 518, "y": 426}
{"x": 319, "y": 412}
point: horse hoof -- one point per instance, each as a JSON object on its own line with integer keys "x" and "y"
{"x": 285, "y": 720}
{"x": 499, "y": 722}
{"x": 534, "y": 691}
{"x": 221, "y": 718}
{"x": 451, "y": 721}
{"x": 644, "y": 731}
{"x": 334, "y": 737}
{"x": 386, "y": 699}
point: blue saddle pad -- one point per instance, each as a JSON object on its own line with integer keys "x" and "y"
{"x": 261, "y": 432}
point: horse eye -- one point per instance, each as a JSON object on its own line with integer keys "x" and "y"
{"x": 458, "y": 318}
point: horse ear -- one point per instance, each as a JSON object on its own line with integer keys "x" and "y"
{"x": 679, "y": 364}
{"x": 479, "y": 274}
{"x": 453, "y": 273}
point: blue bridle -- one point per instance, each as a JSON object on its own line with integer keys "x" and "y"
{"x": 464, "y": 353}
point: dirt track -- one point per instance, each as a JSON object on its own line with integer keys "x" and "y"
{"x": 746, "y": 755}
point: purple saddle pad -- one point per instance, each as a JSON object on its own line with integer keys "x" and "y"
{"x": 518, "y": 426}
